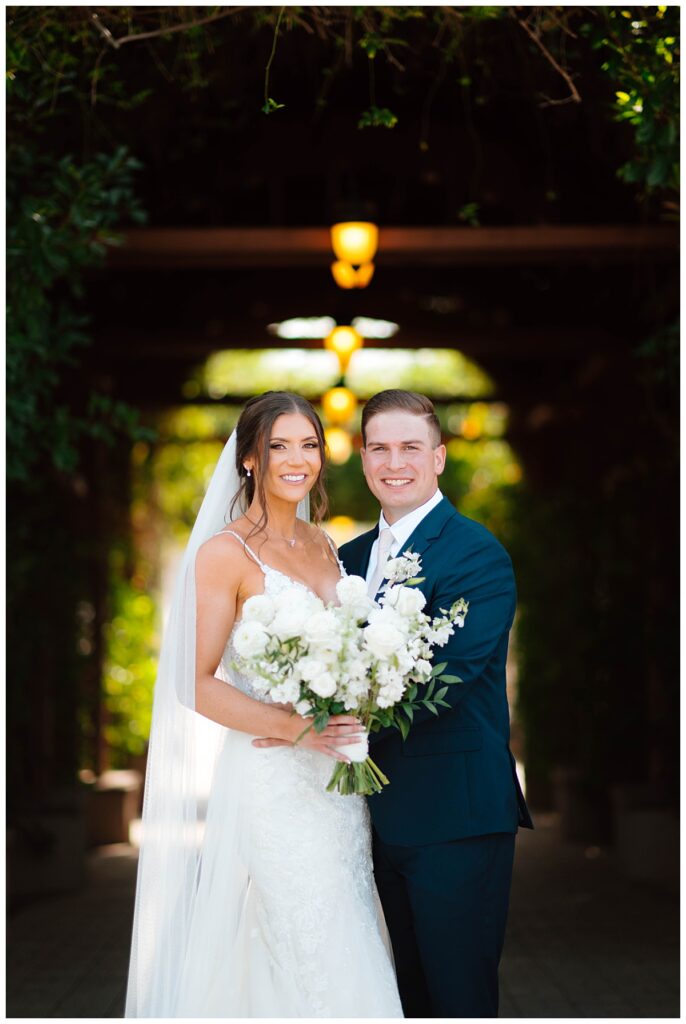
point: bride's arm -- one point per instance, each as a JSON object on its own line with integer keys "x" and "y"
{"x": 218, "y": 574}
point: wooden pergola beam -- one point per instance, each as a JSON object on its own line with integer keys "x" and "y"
{"x": 398, "y": 246}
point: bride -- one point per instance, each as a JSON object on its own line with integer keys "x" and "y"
{"x": 259, "y": 901}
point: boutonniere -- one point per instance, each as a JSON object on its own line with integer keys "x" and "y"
{"x": 403, "y": 569}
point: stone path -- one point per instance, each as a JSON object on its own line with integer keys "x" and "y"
{"x": 582, "y": 941}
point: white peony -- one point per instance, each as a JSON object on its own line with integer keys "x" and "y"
{"x": 382, "y": 639}
{"x": 407, "y": 601}
{"x": 297, "y": 595}
{"x": 258, "y": 608}
{"x": 351, "y": 590}
{"x": 250, "y": 639}
{"x": 323, "y": 629}
{"x": 290, "y": 620}
{"x": 324, "y": 685}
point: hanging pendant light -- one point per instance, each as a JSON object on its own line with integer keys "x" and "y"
{"x": 355, "y": 243}
{"x": 339, "y": 405}
{"x": 339, "y": 444}
{"x": 343, "y": 341}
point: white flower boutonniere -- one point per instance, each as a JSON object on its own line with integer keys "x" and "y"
{"x": 403, "y": 569}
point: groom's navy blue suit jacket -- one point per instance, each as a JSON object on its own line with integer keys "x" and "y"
{"x": 454, "y": 776}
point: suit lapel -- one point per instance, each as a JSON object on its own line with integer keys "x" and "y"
{"x": 422, "y": 536}
{"x": 430, "y": 528}
{"x": 366, "y": 544}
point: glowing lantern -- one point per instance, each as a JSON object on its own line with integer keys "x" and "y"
{"x": 339, "y": 443}
{"x": 339, "y": 405}
{"x": 343, "y": 341}
{"x": 355, "y": 242}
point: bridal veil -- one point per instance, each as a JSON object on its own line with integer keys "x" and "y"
{"x": 181, "y": 755}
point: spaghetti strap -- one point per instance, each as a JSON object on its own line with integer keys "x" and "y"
{"x": 335, "y": 552}
{"x": 249, "y": 551}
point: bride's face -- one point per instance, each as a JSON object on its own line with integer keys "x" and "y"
{"x": 295, "y": 459}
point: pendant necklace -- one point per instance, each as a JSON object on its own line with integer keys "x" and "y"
{"x": 289, "y": 540}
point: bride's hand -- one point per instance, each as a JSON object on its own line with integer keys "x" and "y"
{"x": 340, "y": 731}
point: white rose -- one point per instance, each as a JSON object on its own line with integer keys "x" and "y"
{"x": 407, "y": 601}
{"x": 250, "y": 639}
{"x": 309, "y": 668}
{"x": 423, "y": 667}
{"x": 382, "y": 640}
{"x": 259, "y": 608}
{"x": 303, "y": 708}
{"x": 322, "y": 629}
{"x": 289, "y": 621}
{"x": 352, "y": 590}
{"x": 324, "y": 685}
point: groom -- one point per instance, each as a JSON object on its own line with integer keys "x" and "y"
{"x": 444, "y": 829}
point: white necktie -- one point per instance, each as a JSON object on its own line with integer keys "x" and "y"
{"x": 385, "y": 540}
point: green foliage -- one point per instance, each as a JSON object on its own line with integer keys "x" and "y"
{"x": 377, "y": 117}
{"x": 130, "y": 670}
{"x": 63, "y": 213}
{"x": 61, "y": 218}
{"x": 271, "y": 105}
{"x": 640, "y": 47}
{"x": 469, "y": 214}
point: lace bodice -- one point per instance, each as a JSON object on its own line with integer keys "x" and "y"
{"x": 275, "y": 582}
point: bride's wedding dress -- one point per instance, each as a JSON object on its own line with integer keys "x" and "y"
{"x": 297, "y": 930}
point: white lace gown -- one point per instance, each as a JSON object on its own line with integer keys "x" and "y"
{"x": 287, "y": 921}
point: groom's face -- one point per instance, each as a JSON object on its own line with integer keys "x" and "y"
{"x": 401, "y": 462}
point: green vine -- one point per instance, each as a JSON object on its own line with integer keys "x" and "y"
{"x": 270, "y": 105}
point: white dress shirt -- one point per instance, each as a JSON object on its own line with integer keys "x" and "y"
{"x": 401, "y": 530}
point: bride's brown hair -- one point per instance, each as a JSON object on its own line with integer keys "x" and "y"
{"x": 253, "y": 434}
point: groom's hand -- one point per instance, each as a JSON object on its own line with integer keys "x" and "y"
{"x": 340, "y": 730}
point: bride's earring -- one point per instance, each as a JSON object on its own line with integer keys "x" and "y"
{"x": 248, "y": 472}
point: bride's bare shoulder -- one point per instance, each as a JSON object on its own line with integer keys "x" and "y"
{"x": 224, "y": 554}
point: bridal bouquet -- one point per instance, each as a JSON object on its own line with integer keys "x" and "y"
{"x": 373, "y": 660}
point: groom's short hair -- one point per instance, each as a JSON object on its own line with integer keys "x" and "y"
{"x": 394, "y": 400}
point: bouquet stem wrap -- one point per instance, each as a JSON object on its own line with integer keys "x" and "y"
{"x": 362, "y": 776}
{"x": 357, "y": 752}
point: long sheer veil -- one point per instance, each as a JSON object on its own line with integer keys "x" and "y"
{"x": 183, "y": 747}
